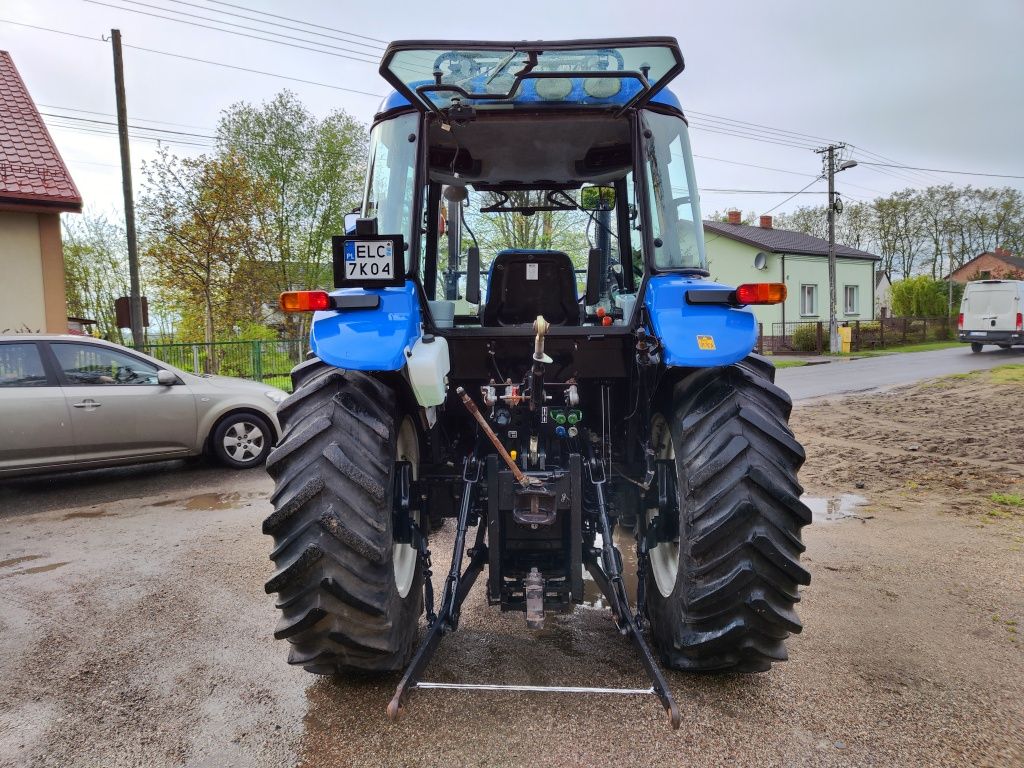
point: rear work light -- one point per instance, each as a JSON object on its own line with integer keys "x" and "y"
{"x": 761, "y": 293}
{"x": 960, "y": 321}
{"x": 304, "y": 301}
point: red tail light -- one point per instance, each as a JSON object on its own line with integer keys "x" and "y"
{"x": 304, "y": 301}
{"x": 761, "y": 293}
{"x": 960, "y": 322}
{"x": 1020, "y": 322}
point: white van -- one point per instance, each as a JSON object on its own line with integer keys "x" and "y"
{"x": 990, "y": 313}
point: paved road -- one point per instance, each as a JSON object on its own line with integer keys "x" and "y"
{"x": 871, "y": 373}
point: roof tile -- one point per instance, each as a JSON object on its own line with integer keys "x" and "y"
{"x": 783, "y": 240}
{"x": 31, "y": 168}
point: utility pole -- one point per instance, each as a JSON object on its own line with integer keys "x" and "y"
{"x": 135, "y": 298}
{"x": 829, "y": 158}
{"x": 949, "y": 280}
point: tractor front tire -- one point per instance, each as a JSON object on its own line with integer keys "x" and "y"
{"x": 350, "y": 598}
{"x": 723, "y": 597}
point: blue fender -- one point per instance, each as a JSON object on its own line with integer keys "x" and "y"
{"x": 368, "y": 339}
{"x": 732, "y": 330}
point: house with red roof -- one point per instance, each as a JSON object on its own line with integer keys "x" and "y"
{"x": 35, "y": 189}
{"x": 999, "y": 264}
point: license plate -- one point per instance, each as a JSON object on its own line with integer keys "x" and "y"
{"x": 979, "y": 333}
{"x": 370, "y": 260}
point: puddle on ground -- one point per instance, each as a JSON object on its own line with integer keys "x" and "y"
{"x": 90, "y": 513}
{"x": 16, "y": 560}
{"x": 210, "y": 502}
{"x": 833, "y": 508}
{"x": 36, "y": 569}
{"x": 593, "y": 597}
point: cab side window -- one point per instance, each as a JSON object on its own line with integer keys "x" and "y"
{"x": 21, "y": 366}
{"x": 90, "y": 365}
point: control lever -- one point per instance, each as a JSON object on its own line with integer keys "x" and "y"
{"x": 520, "y": 477}
{"x": 541, "y": 326}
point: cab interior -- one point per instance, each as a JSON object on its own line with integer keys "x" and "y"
{"x": 528, "y": 217}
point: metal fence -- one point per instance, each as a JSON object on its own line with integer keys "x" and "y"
{"x": 267, "y": 361}
{"x": 812, "y": 337}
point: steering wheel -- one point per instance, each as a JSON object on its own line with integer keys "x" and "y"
{"x": 125, "y": 375}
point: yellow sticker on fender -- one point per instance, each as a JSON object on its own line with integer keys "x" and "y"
{"x": 706, "y": 343}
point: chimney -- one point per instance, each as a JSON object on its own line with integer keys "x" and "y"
{"x": 766, "y": 222}
{"x": 735, "y": 217}
{"x": 1000, "y": 251}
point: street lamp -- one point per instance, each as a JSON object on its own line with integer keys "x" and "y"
{"x": 834, "y": 207}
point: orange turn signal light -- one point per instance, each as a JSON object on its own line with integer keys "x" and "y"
{"x": 761, "y": 293}
{"x": 304, "y": 301}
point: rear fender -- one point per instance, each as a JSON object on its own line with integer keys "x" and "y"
{"x": 697, "y": 335}
{"x": 368, "y": 339}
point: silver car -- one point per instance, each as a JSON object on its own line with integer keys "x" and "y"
{"x": 73, "y": 402}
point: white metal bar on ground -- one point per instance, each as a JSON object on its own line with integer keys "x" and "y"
{"x": 536, "y": 688}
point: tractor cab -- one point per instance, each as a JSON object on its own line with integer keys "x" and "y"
{"x": 534, "y": 179}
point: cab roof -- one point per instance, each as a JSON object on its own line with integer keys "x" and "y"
{"x": 617, "y": 74}
{"x": 395, "y": 100}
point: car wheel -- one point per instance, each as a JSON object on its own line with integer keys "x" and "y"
{"x": 976, "y": 347}
{"x": 242, "y": 440}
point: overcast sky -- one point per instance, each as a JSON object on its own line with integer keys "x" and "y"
{"x": 936, "y": 83}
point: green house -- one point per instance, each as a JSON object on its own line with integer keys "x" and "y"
{"x": 738, "y": 253}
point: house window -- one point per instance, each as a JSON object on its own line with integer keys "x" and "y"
{"x": 808, "y": 300}
{"x": 850, "y": 299}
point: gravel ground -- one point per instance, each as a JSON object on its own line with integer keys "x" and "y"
{"x": 136, "y": 630}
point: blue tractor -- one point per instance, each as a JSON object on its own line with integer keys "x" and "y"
{"x": 523, "y": 337}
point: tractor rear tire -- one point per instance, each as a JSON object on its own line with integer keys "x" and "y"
{"x": 729, "y": 602}
{"x": 344, "y": 605}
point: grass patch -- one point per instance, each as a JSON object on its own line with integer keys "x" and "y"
{"x": 1008, "y": 499}
{"x": 789, "y": 363}
{"x": 1002, "y": 374}
{"x": 1002, "y": 514}
{"x": 929, "y": 346}
{"x": 1008, "y": 374}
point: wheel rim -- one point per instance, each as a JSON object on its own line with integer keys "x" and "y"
{"x": 664, "y": 557}
{"x": 403, "y": 557}
{"x": 243, "y": 441}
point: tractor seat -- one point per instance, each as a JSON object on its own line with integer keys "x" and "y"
{"x": 523, "y": 284}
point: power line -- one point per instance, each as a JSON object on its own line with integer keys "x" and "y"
{"x": 288, "y": 18}
{"x": 376, "y": 48}
{"x": 791, "y": 196}
{"x": 760, "y": 191}
{"x": 708, "y": 129}
{"x": 758, "y": 125}
{"x": 232, "y": 32}
{"x": 198, "y": 60}
{"x": 236, "y": 25}
{"x": 753, "y": 165}
{"x": 108, "y": 114}
{"x": 96, "y": 131}
{"x": 739, "y": 129}
{"x": 133, "y": 127}
{"x": 883, "y": 158}
{"x": 256, "y": 71}
{"x": 942, "y": 170}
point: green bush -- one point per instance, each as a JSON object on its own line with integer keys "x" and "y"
{"x": 805, "y": 338}
{"x": 923, "y": 297}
